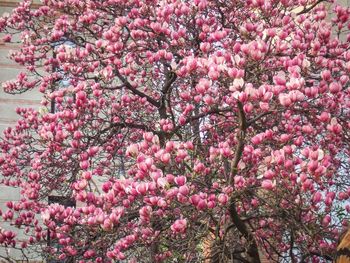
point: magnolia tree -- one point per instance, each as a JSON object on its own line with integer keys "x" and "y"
{"x": 183, "y": 131}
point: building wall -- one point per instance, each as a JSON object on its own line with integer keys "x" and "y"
{"x": 8, "y": 116}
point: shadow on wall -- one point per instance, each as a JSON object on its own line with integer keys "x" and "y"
{"x": 343, "y": 249}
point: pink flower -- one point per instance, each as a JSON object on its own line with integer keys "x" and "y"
{"x": 82, "y": 184}
{"x": 132, "y": 150}
{"x": 205, "y": 47}
{"x": 285, "y": 100}
{"x": 179, "y": 226}
{"x": 279, "y": 80}
{"x": 145, "y": 213}
{"x": 326, "y": 75}
{"x": 223, "y": 198}
{"x": 326, "y": 220}
{"x": 184, "y": 190}
{"x": 325, "y": 116}
{"x": 268, "y": 184}
{"x": 142, "y": 188}
{"x": 180, "y": 180}
{"x": 202, "y": 204}
{"x": 334, "y": 87}
{"x": 81, "y": 95}
{"x": 269, "y": 174}
{"x": 257, "y": 139}
{"x": 239, "y": 181}
{"x": 317, "y": 197}
{"x": 165, "y": 158}
{"x": 213, "y": 74}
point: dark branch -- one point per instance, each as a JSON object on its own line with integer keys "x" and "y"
{"x": 136, "y": 91}
{"x": 308, "y": 9}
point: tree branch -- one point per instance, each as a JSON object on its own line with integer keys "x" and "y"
{"x": 252, "y": 250}
{"x": 201, "y": 115}
{"x": 136, "y": 91}
{"x": 308, "y": 9}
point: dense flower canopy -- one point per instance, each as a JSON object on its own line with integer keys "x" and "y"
{"x": 181, "y": 130}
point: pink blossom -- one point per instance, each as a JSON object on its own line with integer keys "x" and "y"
{"x": 268, "y": 184}
{"x": 317, "y": 197}
{"x": 180, "y": 180}
{"x": 165, "y": 158}
{"x": 223, "y": 198}
{"x": 334, "y": 87}
{"x": 239, "y": 181}
{"x": 142, "y": 188}
{"x": 179, "y": 226}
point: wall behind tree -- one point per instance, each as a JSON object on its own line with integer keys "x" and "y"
{"x": 8, "y": 105}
